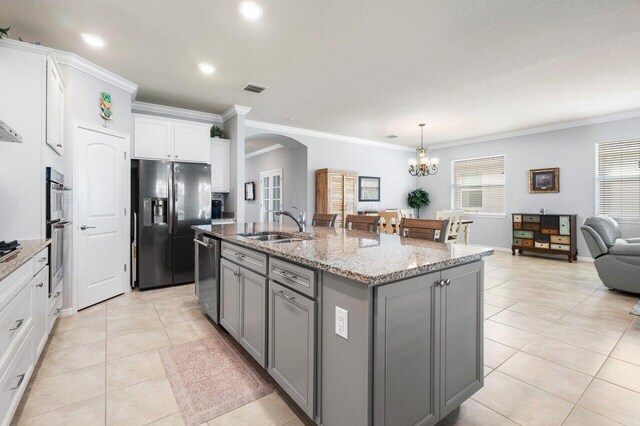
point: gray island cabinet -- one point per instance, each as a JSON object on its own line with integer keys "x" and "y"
{"x": 357, "y": 328}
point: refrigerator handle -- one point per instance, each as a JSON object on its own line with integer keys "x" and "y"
{"x": 170, "y": 213}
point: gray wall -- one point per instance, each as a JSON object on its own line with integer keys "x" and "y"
{"x": 388, "y": 164}
{"x": 293, "y": 162}
{"x": 572, "y": 150}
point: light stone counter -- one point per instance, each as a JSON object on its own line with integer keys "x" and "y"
{"x": 29, "y": 248}
{"x": 368, "y": 258}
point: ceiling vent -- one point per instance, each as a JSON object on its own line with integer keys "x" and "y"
{"x": 391, "y": 136}
{"x": 255, "y": 88}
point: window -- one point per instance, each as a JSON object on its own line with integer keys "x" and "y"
{"x": 478, "y": 185}
{"x": 618, "y": 179}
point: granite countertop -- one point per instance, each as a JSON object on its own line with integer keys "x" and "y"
{"x": 366, "y": 257}
{"x": 29, "y": 248}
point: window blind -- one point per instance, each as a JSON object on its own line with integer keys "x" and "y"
{"x": 618, "y": 179}
{"x": 478, "y": 185}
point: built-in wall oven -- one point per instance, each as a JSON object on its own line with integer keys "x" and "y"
{"x": 56, "y": 225}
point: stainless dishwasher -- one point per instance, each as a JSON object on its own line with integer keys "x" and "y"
{"x": 207, "y": 274}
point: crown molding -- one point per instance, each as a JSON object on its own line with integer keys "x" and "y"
{"x": 542, "y": 129}
{"x": 34, "y": 48}
{"x": 235, "y": 110}
{"x": 187, "y": 114}
{"x": 81, "y": 64}
{"x": 323, "y": 135}
{"x": 263, "y": 150}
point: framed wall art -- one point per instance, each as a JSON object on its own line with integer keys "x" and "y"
{"x": 249, "y": 191}
{"x": 368, "y": 188}
{"x": 544, "y": 180}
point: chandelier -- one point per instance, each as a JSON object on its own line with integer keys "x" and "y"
{"x": 422, "y": 165}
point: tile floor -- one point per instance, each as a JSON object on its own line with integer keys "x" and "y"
{"x": 559, "y": 349}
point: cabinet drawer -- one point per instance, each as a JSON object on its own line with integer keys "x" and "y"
{"x": 565, "y": 225}
{"x": 549, "y": 221}
{"x": 560, "y": 239}
{"x": 542, "y": 245}
{"x": 245, "y": 257}
{"x": 527, "y": 243}
{"x": 55, "y": 297}
{"x": 15, "y": 321}
{"x": 15, "y": 379}
{"x": 41, "y": 260}
{"x": 531, "y": 218}
{"x": 517, "y": 218}
{"x": 293, "y": 276}
{"x": 517, "y": 242}
{"x": 562, "y": 247}
{"x": 517, "y": 225}
{"x": 542, "y": 238}
{"x": 523, "y": 234}
{"x": 530, "y": 226}
{"x": 54, "y": 314}
{"x": 549, "y": 231}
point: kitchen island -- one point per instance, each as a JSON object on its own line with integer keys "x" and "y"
{"x": 358, "y": 328}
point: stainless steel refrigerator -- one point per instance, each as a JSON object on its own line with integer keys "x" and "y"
{"x": 168, "y": 198}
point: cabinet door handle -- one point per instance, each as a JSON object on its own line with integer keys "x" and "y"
{"x": 42, "y": 259}
{"x": 441, "y": 283}
{"x": 239, "y": 255}
{"x": 285, "y": 274}
{"x": 59, "y": 145}
{"x": 18, "y": 325}
{"x": 447, "y": 281}
{"x": 40, "y": 285}
{"x": 237, "y": 274}
{"x": 292, "y": 298}
{"x": 57, "y": 294}
{"x": 57, "y": 311}
{"x": 20, "y": 380}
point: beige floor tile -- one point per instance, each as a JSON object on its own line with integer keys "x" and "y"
{"x": 95, "y": 320}
{"x": 90, "y": 412}
{"x": 487, "y": 370}
{"x": 133, "y": 369}
{"x": 141, "y": 403}
{"x": 63, "y": 361}
{"x": 472, "y": 413}
{"x": 134, "y": 343}
{"x": 131, "y": 312}
{"x": 266, "y": 411}
{"x": 81, "y": 336}
{"x": 129, "y": 300}
{"x": 189, "y": 330}
{"x": 507, "y": 335}
{"x": 565, "y": 354}
{"x": 546, "y": 375}
{"x": 627, "y": 351}
{"x": 521, "y": 321}
{"x": 600, "y": 324}
{"x": 496, "y": 353}
{"x": 581, "y": 338}
{"x": 171, "y": 314}
{"x": 499, "y": 301}
{"x": 537, "y": 310}
{"x": 172, "y": 420}
{"x": 632, "y": 335}
{"x": 583, "y": 417}
{"x": 490, "y": 310}
{"x": 55, "y": 392}
{"x": 621, "y": 373}
{"x": 295, "y": 422}
{"x": 121, "y": 326}
{"x": 612, "y": 401}
{"x": 521, "y": 402}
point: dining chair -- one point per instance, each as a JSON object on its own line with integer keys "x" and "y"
{"x": 455, "y": 224}
{"x": 406, "y": 213}
{"x": 387, "y": 221}
{"x": 324, "y": 219}
{"x": 428, "y": 229}
{"x": 362, "y": 222}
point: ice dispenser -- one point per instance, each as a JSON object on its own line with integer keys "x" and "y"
{"x": 155, "y": 211}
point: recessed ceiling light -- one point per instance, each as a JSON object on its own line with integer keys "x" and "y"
{"x": 250, "y": 10}
{"x": 93, "y": 40}
{"x": 206, "y": 69}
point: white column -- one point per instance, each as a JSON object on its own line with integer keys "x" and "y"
{"x": 234, "y": 129}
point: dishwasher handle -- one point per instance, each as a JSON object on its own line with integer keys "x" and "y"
{"x": 202, "y": 243}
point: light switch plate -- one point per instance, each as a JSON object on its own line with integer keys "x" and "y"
{"x": 342, "y": 322}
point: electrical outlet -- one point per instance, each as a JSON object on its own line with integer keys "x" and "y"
{"x": 342, "y": 322}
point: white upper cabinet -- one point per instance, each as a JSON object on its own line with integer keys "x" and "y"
{"x": 160, "y": 138}
{"x": 220, "y": 150}
{"x": 152, "y": 138}
{"x": 55, "y": 109}
{"x": 192, "y": 142}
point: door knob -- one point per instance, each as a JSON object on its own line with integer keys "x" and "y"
{"x": 85, "y": 227}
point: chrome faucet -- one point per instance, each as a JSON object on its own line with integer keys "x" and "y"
{"x": 301, "y": 220}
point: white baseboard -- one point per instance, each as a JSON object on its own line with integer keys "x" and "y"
{"x": 508, "y": 250}
{"x": 66, "y": 312}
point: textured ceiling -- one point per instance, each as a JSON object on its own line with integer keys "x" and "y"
{"x": 366, "y": 69}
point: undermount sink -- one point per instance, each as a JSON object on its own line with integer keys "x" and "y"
{"x": 275, "y": 238}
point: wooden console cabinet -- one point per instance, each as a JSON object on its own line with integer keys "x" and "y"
{"x": 545, "y": 233}
{"x": 337, "y": 192}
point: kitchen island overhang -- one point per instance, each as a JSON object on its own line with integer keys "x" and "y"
{"x": 414, "y": 347}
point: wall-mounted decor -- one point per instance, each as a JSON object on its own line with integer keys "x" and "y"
{"x": 544, "y": 180}
{"x": 368, "y": 188}
{"x": 105, "y": 106}
{"x": 249, "y": 191}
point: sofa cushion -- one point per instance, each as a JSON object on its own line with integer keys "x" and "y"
{"x": 606, "y": 227}
{"x": 625, "y": 250}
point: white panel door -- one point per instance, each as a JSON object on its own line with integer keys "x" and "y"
{"x": 101, "y": 192}
{"x": 192, "y": 142}
{"x": 153, "y": 138}
{"x": 271, "y": 192}
{"x": 220, "y": 165}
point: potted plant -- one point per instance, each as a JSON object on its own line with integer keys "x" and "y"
{"x": 418, "y": 198}
{"x": 217, "y": 132}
